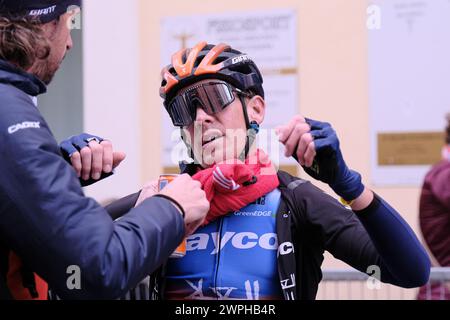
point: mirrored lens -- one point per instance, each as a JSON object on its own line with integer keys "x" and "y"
{"x": 211, "y": 97}
{"x": 179, "y": 112}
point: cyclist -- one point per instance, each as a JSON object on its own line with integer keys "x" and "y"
{"x": 266, "y": 232}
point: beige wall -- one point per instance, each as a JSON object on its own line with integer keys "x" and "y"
{"x": 111, "y": 88}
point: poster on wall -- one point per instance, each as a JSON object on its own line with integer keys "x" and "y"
{"x": 269, "y": 38}
{"x": 409, "y": 81}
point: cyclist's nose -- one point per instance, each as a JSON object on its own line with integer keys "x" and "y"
{"x": 202, "y": 116}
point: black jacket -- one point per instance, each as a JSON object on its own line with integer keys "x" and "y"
{"x": 48, "y": 222}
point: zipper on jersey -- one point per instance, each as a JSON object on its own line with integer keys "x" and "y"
{"x": 216, "y": 271}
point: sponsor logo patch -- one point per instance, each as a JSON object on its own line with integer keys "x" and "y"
{"x": 24, "y": 125}
{"x": 42, "y": 12}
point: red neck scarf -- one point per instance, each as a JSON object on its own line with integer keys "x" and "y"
{"x": 232, "y": 186}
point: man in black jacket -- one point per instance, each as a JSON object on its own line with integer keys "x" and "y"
{"x": 47, "y": 225}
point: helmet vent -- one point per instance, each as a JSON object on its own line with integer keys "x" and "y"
{"x": 184, "y": 57}
{"x": 173, "y": 71}
{"x": 198, "y": 61}
{"x": 220, "y": 59}
{"x": 245, "y": 69}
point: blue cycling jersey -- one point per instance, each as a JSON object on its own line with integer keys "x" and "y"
{"x": 234, "y": 257}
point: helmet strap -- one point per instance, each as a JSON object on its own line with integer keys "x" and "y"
{"x": 190, "y": 149}
{"x": 252, "y": 130}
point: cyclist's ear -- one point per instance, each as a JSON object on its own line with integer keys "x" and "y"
{"x": 256, "y": 109}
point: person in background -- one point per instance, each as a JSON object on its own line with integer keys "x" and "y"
{"x": 434, "y": 217}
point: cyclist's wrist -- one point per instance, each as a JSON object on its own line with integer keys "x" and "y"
{"x": 363, "y": 201}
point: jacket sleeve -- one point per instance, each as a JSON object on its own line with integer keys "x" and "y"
{"x": 121, "y": 207}
{"x": 375, "y": 237}
{"x": 51, "y": 225}
{"x": 440, "y": 186}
